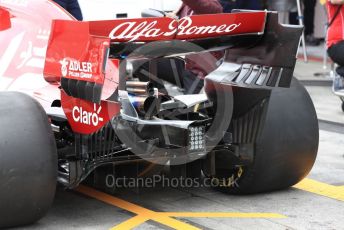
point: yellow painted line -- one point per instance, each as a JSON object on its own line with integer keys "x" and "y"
{"x": 323, "y": 189}
{"x": 165, "y": 218}
{"x": 111, "y": 200}
{"x": 131, "y": 223}
{"x": 173, "y": 223}
{"x": 223, "y": 215}
{"x": 143, "y": 212}
{"x": 158, "y": 217}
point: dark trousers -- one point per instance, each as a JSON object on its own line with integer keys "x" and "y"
{"x": 249, "y": 4}
{"x": 336, "y": 53}
{"x": 309, "y": 13}
{"x": 293, "y": 18}
{"x": 229, "y": 5}
{"x": 72, "y": 6}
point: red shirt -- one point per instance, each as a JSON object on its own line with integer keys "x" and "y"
{"x": 335, "y": 33}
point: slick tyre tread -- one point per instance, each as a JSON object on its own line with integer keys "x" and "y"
{"x": 286, "y": 150}
{"x": 28, "y": 160}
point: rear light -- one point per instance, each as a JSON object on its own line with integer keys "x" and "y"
{"x": 196, "y": 139}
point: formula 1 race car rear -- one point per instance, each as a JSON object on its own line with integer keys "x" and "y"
{"x": 255, "y": 123}
{"x": 254, "y": 128}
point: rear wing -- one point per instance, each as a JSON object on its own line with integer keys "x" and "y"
{"x": 89, "y": 59}
{"x": 79, "y": 53}
{"x": 187, "y": 28}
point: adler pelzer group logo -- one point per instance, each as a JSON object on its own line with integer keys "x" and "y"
{"x": 76, "y": 69}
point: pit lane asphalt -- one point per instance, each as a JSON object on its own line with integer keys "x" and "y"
{"x": 309, "y": 205}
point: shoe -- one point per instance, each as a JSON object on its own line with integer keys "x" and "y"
{"x": 312, "y": 41}
{"x": 338, "y": 84}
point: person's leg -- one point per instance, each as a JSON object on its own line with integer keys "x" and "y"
{"x": 74, "y": 9}
{"x": 293, "y": 18}
{"x": 255, "y": 5}
{"x": 309, "y": 13}
{"x": 336, "y": 54}
{"x": 249, "y": 4}
{"x": 62, "y": 3}
{"x": 228, "y": 5}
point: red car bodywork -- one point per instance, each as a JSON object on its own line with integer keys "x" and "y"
{"x": 24, "y": 34}
{"x": 78, "y": 51}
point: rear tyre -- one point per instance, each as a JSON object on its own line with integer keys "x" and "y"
{"x": 28, "y": 161}
{"x": 286, "y": 149}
